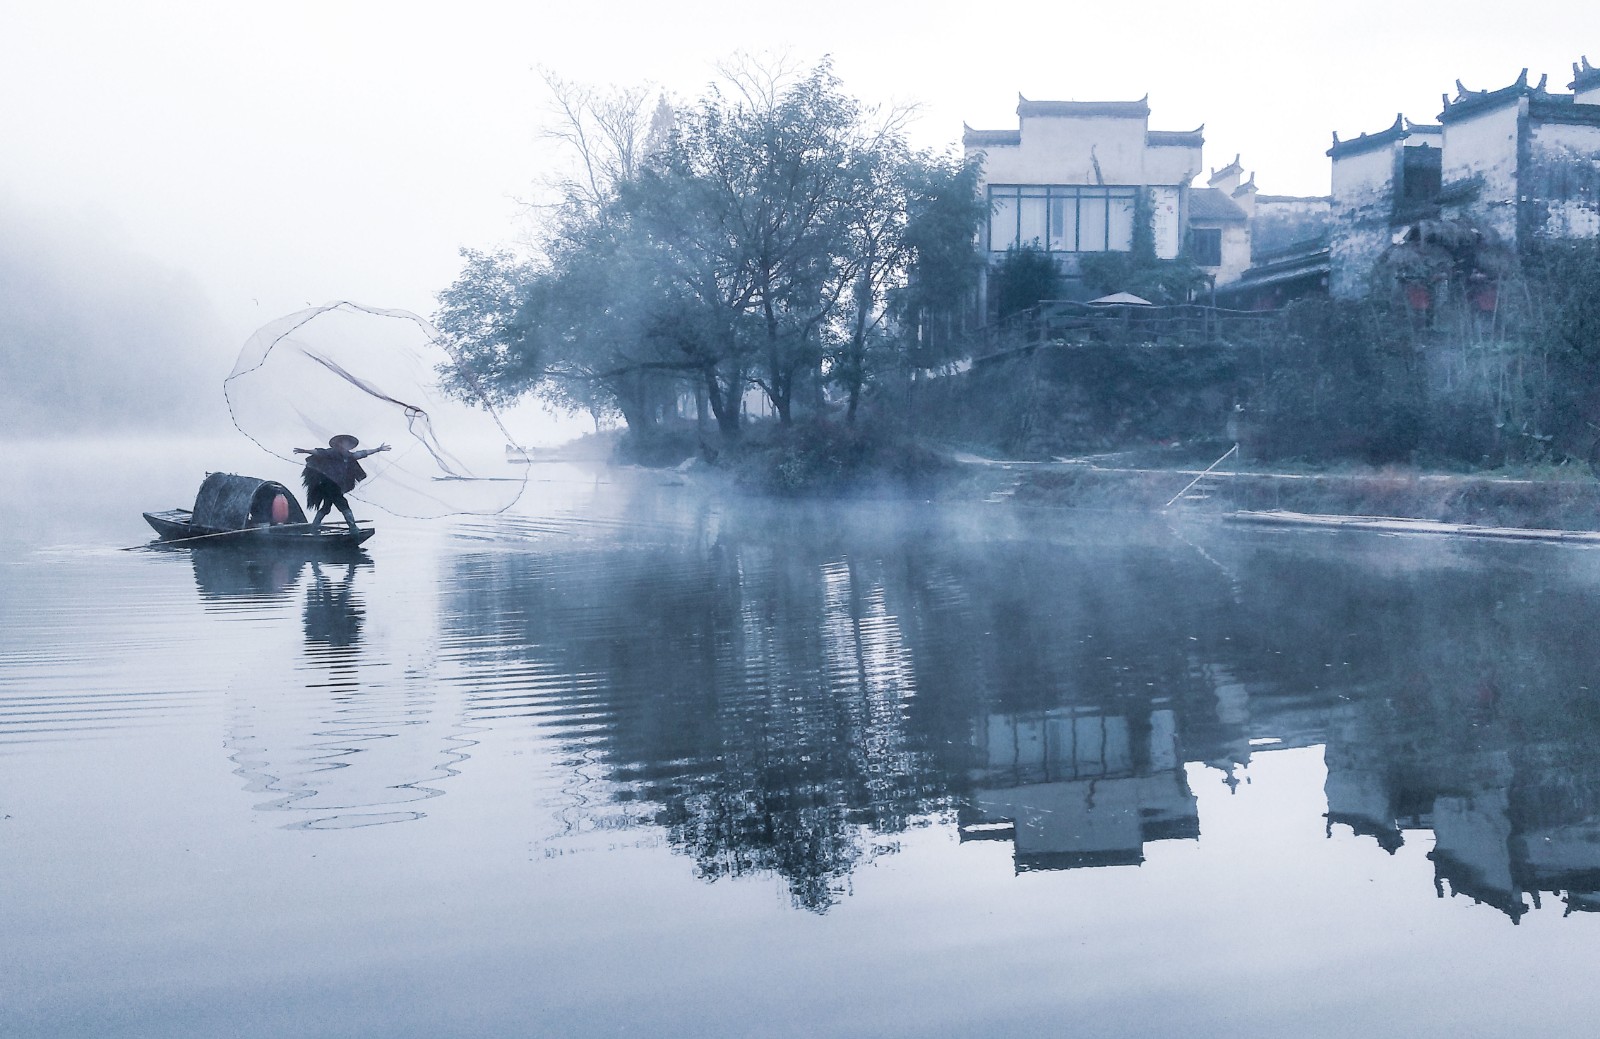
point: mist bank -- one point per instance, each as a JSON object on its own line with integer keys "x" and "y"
{"x": 96, "y": 338}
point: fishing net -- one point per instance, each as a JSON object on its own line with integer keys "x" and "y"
{"x": 379, "y": 375}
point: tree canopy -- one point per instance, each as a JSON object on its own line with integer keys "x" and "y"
{"x": 777, "y": 234}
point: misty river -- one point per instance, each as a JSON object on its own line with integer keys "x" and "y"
{"x": 643, "y": 758}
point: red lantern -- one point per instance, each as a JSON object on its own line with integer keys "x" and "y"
{"x": 280, "y": 509}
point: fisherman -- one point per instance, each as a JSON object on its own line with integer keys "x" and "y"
{"x": 332, "y": 472}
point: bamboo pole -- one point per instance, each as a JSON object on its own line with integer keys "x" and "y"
{"x": 1202, "y": 476}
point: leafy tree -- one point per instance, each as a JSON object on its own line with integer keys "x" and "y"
{"x": 912, "y": 226}
{"x": 1563, "y": 317}
{"x": 751, "y": 209}
{"x": 944, "y": 212}
{"x": 774, "y": 234}
{"x": 572, "y": 326}
{"x": 1026, "y": 276}
{"x": 483, "y": 315}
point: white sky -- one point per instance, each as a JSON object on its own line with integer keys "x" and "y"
{"x": 289, "y": 153}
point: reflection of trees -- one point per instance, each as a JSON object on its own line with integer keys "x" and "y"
{"x": 781, "y": 690}
{"x": 755, "y": 696}
{"x": 785, "y": 692}
{"x": 813, "y": 752}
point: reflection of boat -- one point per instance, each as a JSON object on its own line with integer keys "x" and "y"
{"x": 243, "y": 509}
{"x": 223, "y": 572}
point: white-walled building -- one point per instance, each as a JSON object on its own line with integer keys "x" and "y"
{"x": 1074, "y": 177}
{"x": 1511, "y": 166}
{"x": 1380, "y": 181}
{"x": 1219, "y": 222}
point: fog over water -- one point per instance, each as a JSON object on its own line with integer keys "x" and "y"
{"x": 640, "y": 757}
{"x": 95, "y": 335}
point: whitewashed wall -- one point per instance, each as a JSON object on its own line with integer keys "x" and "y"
{"x": 1166, "y": 219}
{"x": 1064, "y": 150}
{"x": 1481, "y": 148}
{"x": 1563, "y": 180}
{"x": 1363, "y": 201}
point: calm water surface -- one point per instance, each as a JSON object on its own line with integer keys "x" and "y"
{"x": 641, "y": 760}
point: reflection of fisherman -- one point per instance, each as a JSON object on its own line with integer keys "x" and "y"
{"x": 331, "y": 472}
{"x": 332, "y": 613}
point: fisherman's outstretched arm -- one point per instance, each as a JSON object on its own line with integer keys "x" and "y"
{"x": 370, "y": 451}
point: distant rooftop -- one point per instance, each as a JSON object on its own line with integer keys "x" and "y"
{"x": 1232, "y": 167}
{"x": 1213, "y": 204}
{"x": 1027, "y": 109}
{"x": 971, "y": 138}
{"x": 1584, "y": 75}
{"x": 1471, "y": 102}
{"x": 1176, "y": 138}
{"x": 1369, "y": 141}
{"x": 1139, "y": 109}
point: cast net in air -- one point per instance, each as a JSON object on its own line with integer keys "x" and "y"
{"x": 378, "y": 375}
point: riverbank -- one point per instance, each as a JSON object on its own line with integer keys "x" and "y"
{"x": 1560, "y": 502}
{"x": 829, "y": 462}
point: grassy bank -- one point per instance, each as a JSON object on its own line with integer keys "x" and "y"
{"x": 1557, "y": 501}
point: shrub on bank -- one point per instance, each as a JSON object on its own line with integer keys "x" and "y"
{"x": 1068, "y": 399}
{"x": 831, "y": 459}
{"x": 660, "y": 448}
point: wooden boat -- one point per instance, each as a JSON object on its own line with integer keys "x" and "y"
{"x": 231, "y": 509}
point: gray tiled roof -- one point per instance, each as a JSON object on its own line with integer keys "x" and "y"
{"x": 1212, "y": 204}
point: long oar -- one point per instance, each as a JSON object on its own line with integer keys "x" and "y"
{"x": 225, "y": 533}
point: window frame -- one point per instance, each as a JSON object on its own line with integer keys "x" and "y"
{"x": 1059, "y": 198}
{"x": 1193, "y": 250}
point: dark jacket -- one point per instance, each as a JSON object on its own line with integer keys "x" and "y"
{"x": 340, "y": 467}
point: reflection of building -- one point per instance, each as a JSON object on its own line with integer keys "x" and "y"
{"x": 1472, "y": 848}
{"x": 1504, "y": 826}
{"x": 1071, "y": 789}
{"x": 785, "y": 699}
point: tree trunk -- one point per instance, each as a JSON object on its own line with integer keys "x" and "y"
{"x": 725, "y": 410}
{"x": 637, "y": 403}
{"x": 638, "y": 416}
{"x": 782, "y": 399}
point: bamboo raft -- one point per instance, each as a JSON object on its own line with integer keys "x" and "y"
{"x": 1401, "y": 525}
